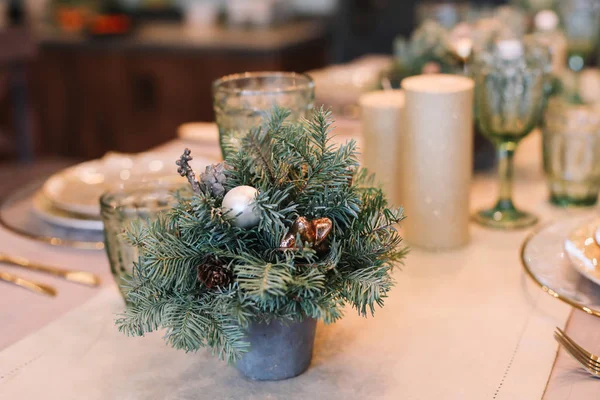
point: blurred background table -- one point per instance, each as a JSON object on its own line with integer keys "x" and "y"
{"x": 130, "y": 94}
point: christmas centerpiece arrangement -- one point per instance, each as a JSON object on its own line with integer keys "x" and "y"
{"x": 428, "y": 50}
{"x": 433, "y": 48}
{"x": 287, "y": 231}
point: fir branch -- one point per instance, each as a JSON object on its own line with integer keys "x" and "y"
{"x": 260, "y": 279}
{"x": 255, "y": 143}
{"x": 146, "y": 315}
{"x": 192, "y": 326}
{"x": 234, "y": 303}
{"x": 327, "y": 308}
{"x": 318, "y": 129}
{"x": 307, "y": 283}
{"x": 273, "y": 208}
{"x": 168, "y": 261}
{"x": 367, "y": 287}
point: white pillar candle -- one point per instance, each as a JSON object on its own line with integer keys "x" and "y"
{"x": 381, "y": 124}
{"x": 436, "y": 163}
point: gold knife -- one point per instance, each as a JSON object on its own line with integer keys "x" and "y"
{"x": 27, "y": 284}
{"x": 82, "y": 277}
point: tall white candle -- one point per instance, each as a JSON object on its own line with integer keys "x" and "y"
{"x": 436, "y": 163}
{"x": 381, "y": 124}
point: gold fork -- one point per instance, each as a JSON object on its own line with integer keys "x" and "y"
{"x": 589, "y": 361}
{"x": 82, "y": 277}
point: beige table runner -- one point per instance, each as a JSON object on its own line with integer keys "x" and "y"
{"x": 22, "y": 312}
{"x": 438, "y": 338}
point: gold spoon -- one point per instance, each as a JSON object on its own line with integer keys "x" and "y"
{"x": 82, "y": 277}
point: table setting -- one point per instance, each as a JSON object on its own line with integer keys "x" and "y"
{"x": 287, "y": 252}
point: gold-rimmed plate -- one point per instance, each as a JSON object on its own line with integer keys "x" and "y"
{"x": 77, "y": 189}
{"x": 547, "y": 263}
{"x": 18, "y": 215}
{"x": 48, "y": 212}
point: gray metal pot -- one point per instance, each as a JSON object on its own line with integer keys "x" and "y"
{"x": 278, "y": 350}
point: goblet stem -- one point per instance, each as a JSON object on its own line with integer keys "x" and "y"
{"x": 506, "y": 151}
{"x": 504, "y": 215}
{"x": 574, "y": 96}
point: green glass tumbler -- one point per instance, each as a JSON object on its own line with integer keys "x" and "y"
{"x": 511, "y": 83}
{"x": 120, "y": 208}
{"x": 581, "y": 24}
{"x": 571, "y": 144}
{"x": 241, "y": 102}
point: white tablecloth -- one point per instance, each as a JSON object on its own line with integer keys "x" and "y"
{"x": 461, "y": 325}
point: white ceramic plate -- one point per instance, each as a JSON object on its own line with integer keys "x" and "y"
{"x": 202, "y": 132}
{"x": 547, "y": 263}
{"x": 584, "y": 252}
{"x": 46, "y": 211}
{"x": 78, "y": 189}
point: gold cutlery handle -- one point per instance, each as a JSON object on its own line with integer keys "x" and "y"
{"x": 27, "y": 284}
{"x": 85, "y": 278}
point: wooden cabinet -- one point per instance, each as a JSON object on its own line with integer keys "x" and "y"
{"x": 94, "y": 97}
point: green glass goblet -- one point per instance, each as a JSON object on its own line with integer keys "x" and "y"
{"x": 511, "y": 81}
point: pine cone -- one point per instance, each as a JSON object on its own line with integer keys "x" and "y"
{"x": 214, "y": 274}
{"x": 212, "y": 180}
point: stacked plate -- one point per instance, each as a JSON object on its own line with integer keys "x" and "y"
{"x": 70, "y": 198}
{"x": 564, "y": 258}
{"x": 65, "y": 209}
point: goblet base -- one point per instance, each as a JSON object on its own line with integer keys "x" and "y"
{"x": 505, "y": 219}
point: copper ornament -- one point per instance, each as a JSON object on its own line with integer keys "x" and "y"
{"x": 314, "y": 232}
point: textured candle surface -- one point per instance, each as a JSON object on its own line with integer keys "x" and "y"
{"x": 436, "y": 162}
{"x": 381, "y": 124}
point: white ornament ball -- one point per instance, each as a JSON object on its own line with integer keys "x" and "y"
{"x": 239, "y": 201}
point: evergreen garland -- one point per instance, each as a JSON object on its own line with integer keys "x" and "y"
{"x": 298, "y": 172}
{"x": 429, "y": 44}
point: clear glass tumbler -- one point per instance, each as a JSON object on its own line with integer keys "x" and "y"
{"x": 120, "y": 208}
{"x": 241, "y": 101}
{"x": 571, "y": 143}
{"x": 511, "y": 82}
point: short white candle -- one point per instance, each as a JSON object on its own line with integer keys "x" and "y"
{"x": 437, "y": 160}
{"x": 381, "y": 124}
